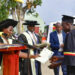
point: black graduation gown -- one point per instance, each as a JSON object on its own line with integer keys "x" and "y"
{"x": 24, "y": 64}
{"x": 69, "y": 46}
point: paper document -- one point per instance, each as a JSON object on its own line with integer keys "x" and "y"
{"x": 45, "y": 55}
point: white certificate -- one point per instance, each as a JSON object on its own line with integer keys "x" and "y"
{"x": 45, "y": 55}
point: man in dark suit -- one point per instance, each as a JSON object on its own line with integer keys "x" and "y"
{"x": 57, "y": 43}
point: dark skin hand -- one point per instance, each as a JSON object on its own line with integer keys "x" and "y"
{"x": 25, "y": 55}
{"x": 56, "y": 58}
{"x": 34, "y": 56}
{"x": 54, "y": 62}
{"x": 54, "y": 65}
{"x": 62, "y": 45}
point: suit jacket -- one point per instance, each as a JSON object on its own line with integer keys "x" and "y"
{"x": 54, "y": 41}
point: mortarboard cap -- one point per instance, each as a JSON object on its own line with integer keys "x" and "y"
{"x": 68, "y": 19}
{"x": 30, "y": 23}
{"x": 6, "y": 23}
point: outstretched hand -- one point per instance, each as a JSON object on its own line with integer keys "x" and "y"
{"x": 35, "y": 56}
{"x": 54, "y": 65}
{"x": 54, "y": 59}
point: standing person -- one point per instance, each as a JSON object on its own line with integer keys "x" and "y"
{"x": 69, "y": 45}
{"x": 6, "y": 27}
{"x": 57, "y": 43}
{"x": 29, "y": 66}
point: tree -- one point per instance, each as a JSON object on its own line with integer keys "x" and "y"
{"x": 17, "y": 9}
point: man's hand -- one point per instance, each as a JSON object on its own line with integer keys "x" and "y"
{"x": 62, "y": 45}
{"x": 54, "y": 65}
{"x": 34, "y": 56}
{"x": 54, "y": 59}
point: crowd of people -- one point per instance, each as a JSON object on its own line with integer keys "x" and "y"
{"x": 61, "y": 43}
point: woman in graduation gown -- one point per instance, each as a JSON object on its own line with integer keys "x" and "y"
{"x": 6, "y": 27}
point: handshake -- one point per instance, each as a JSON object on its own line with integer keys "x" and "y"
{"x": 55, "y": 61}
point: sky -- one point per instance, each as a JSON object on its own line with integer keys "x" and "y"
{"x": 52, "y": 10}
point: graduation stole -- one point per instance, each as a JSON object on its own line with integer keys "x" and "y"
{"x": 69, "y": 53}
{"x": 28, "y": 37}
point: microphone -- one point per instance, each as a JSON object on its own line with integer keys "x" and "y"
{"x": 4, "y": 34}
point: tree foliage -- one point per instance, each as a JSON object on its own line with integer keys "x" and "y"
{"x": 37, "y": 2}
{"x": 8, "y": 7}
{"x": 5, "y": 6}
